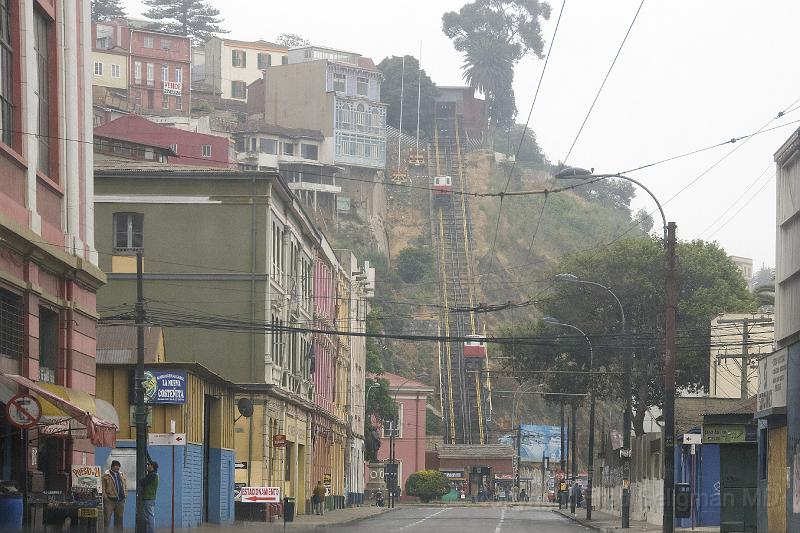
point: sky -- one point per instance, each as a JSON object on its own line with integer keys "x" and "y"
{"x": 691, "y": 74}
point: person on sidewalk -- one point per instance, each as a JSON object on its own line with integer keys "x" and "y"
{"x": 573, "y": 496}
{"x": 115, "y": 489}
{"x": 149, "y": 486}
{"x": 319, "y": 494}
{"x": 515, "y": 493}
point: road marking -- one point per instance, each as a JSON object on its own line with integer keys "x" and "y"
{"x": 421, "y": 521}
{"x": 500, "y": 524}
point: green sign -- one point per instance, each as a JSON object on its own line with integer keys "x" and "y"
{"x": 725, "y": 434}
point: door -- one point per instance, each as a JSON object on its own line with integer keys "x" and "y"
{"x": 738, "y": 487}
{"x": 776, "y": 480}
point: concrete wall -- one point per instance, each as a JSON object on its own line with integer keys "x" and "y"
{"x": 295, "y": 97}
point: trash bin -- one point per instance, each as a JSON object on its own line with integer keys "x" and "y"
{"x": 288, "y": 509}
{"x": 683, "y": 500}
{"x": 10, "y": 512}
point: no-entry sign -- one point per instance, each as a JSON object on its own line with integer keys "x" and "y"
{"x": 260, "y": 494}
{"x": 23, "y": 411}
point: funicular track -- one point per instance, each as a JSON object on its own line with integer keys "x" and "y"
{"x": 462, "y": 390}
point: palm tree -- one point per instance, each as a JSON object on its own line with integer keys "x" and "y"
{"x": 489, "y": 68}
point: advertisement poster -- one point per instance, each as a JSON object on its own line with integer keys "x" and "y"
{"x": 538, "y": 442}
{"x": 164, "y": 387}
{"x": 86, "y": 477}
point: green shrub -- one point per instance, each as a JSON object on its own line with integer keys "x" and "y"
{"x": 413, "y": 263}
{"x": 427, "y": 485}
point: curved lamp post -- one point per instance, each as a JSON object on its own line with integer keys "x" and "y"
{"x": 669, "y": 356}
{"x": 626, "y": 419}
{"x": 555, "y": 322}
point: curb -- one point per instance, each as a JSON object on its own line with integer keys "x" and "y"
{"x": 352, "y": 520}
{"x": 582, "y": 522}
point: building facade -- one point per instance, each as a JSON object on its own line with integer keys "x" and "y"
{"x": 229, "y": 66}
{"x": 754, "y": 334}
{"x": 48, "y": 263}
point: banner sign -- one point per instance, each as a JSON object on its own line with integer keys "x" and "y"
{"x": 260, "y": 494}
{"x": 772, "y": 381}
{"x": 538, "y": 442}
{"x": 504, "y": 476}
{"x": 728, "y": 433}
{"x": 453, "y": 474}
{"x": 174, "y": 88}
{"x": 86, "y": 477}
{"x": 164, "y": 387}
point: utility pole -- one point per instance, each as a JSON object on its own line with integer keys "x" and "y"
{"x": 141, "y": 413}
{"x": 626, "y": 431}
{"x": 574, "y": 441}
{"x": 669, "y": 386}
{"x": 519, "y": 450}
{"x": 745, "y": 393}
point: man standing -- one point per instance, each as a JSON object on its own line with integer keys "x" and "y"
{"x": 148, "y": 494}
{"x": 319, "y": 494}
{"x": 114, "y": 491}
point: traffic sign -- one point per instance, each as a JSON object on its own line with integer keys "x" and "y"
{"x": 166, "y": 439}
{"x": 260, "y": 494}
{"x": 23, "y": 411}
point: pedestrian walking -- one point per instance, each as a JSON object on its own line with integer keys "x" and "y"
{"x": 573, "y": 497}
{"x": 515, "y": 493}
{"x": 148, "y": 493}
{"x": 319, "y": 494}
{"x": 115, "y": 489}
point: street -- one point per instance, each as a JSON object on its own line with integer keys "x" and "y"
{"x": 463, "y": 520}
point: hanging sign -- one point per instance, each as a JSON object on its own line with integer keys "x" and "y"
{"x": 164, "y": 387}
{"x": 279, "y": 441}
{"x": 772, "y": 381}
{"x": 86, "y": 477}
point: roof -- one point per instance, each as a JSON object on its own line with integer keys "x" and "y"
{"x": 126, "y": 138}
{"x": 689, "y": 411}
{"x": 134, "y": 127}
{"x": 116, "y": 345}
{"x": 260, "y": 43}
{"x": 261, "y": 126}
{"x": 400, "y": 382}
{"x": 367, "y": 63}
{"x": 738, "y": 407}
{"x": 129, "y": 165}
{"x": 478, "y": 451}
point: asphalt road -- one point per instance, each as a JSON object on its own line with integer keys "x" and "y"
{"x": 462, "y": 520}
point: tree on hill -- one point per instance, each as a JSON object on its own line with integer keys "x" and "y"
{"x": 378, "y": 402}
{"x": 529, "y": 152}
{"x": 194, "y": 18}
{"x": 392, "y": 68}
{"x": 708, "y": 284}
{"x": 292, "y": 40}
{"x": 494, "y": 35}
{"x": 107, "y": 10}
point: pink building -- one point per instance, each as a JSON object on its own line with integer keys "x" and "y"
{"x": 194, "y": 149}
{"x": 411, "y": 397}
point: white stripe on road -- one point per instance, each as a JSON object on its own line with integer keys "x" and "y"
{"x": 418, "y": 522}
{"x": 500, "y": 524}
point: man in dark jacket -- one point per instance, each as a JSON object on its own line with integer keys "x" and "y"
{"x": 115, "y": 490}
{"x": 149, "y": 489}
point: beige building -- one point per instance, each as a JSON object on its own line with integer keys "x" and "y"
{"x": 745, "y": 266}
{"x": 229, "y": 66}
{"x": 110, "y": 69}
{"x": 736, "y": 337}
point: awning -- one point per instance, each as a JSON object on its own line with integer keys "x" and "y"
{"x": 60, "y": 404}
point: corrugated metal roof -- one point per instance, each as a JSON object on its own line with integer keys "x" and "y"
{"x": 261, "y": 126}
{"x": 116, "y": 345}
{"x": 740, "y": 407}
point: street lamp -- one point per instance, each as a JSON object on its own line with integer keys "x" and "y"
{"x": 626, "y": 419}
{"x": 555, "y": 322}
{"x": 669, "y": 341}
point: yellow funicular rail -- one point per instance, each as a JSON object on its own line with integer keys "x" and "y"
{"x": 448, "y": 347}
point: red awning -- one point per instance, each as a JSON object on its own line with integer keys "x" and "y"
{"x": 98, "y": 431}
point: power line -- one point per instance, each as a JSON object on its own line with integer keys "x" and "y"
{"x": 752, "y": 197}
{"x": 619, "y": 50}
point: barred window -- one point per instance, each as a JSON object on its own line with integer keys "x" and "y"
{"x": 48, "y": 344}
{"x": 11, "y": 326}
{"x": 128, "y": 232}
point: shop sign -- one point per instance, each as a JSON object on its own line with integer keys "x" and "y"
{"x": 260, "y": 494}
{"x": 453, "y": 474}
{"x": 164, "y": 387}
{"x": 23, "y": 411}
{"x": 772, "y": 380}
{"x": 279, "y": 441}
{"x": 240, "y": 465}
{"x": 173, "y": 88}
{"x": 86, "y": 477}
{"x": 166, "y": 439}
{"x": 728, "y": 433}
{"x": 502, "y": 477}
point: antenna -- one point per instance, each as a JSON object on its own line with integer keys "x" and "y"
{"x": 400, "y": 126}
{"x": 419, "y": 91}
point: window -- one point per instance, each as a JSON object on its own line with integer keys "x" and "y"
{"x": 253, "y": 144}
{"x": 148, "y": 42}
{"x": 284, "y": 60}
{"x": 151, "y": 74}
{"x": 42, "y": 39}
{"x": 288, "y": 462}
{"x": 98, "y": 68}
{"x": 150, "y": 99}
{"x": 115, "y": 71}
{"x": 11, "y": 325}
{"x": 179, "y": 74}
{"x": 397, "y": 428}
{"x": 6, "y": 75}
{"x": 309, "y": 151}
{"x": 268, "y": 146}
{"x": 238, "y": 90}
{"x": 48, "y": 344}
{"x": 103, "y": 43}
{"x": 164, "y": 101}
{"x": 128, "y": 232}
{"x": 206, "y": 150}
{"x": 288, "y": 148}
{"x": 166, "y": 44}
{"x": 239, "y": 58}
{"x": 174, "y": 148}
{"x": 137, "y": 98}
{"x": 137, "y": 72}
{"x": 362, "y": 86}
{"x": 339, "y": 82}
{"x": 164, "y": 73}
{"x": 264, "y": 60}
{"x": 277, "y": 251}
{"x": 179, "y": 103}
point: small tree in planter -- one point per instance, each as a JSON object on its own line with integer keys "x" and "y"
{"x": 427, "y": 485}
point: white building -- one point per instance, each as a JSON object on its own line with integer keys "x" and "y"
{"x": 229, "y": 66}
{"x": 738, "y": 337}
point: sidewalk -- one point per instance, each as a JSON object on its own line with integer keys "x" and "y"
{"x": 608, "y": 523}
{"x": 302, "y": 523}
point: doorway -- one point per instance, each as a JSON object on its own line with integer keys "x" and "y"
{"x": 738, "y": 487}
{"x": 208, "y": 403}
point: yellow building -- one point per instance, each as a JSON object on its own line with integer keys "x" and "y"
{"x": 110, "y": 69}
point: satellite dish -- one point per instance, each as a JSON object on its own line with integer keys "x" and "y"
{"x": 245, "y": 407}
